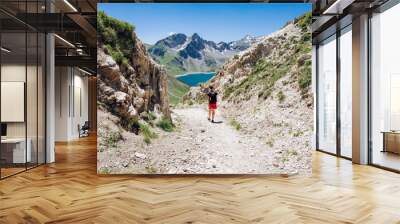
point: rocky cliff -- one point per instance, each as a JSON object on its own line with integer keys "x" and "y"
{"x": 129, "y": 82}
{"x": 266, "y": 92}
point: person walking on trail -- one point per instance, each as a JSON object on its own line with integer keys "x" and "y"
{"x": 212, "y": 103}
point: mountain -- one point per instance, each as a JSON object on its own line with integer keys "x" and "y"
{"x": 181, "y": 53}
{"x": 266, "y": 90}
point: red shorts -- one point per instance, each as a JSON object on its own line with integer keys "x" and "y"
{"x": 212, "y": 106}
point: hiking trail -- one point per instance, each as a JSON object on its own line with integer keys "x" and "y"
{"x": 199, "y": 146}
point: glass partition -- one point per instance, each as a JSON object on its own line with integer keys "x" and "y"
{"x": 327, "y": 95}
{"x": 14, "y": 153}
{"x": 346, "y": 92}
{"x": 32, "y": 98}
{"x": 385, "y": 89}
{"x": 41, "y": 97}
{"x": 22, "y": 77}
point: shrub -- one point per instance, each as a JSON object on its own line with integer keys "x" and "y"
{"x": 112, "y": 138}
{"x": 117, "y": 36}
{"x": 235, "y": 124}
{"x": 152, "y": 116}
{"x": 281, "y": 96}
{"x": 304, "y": 21}
{"x": 104, "y": 170}
{"x": 147, "y": 133}
{"x": 298, "y": 133}
{"x": 270, "y": 143}
{"x": 151, "y": 169}
{"x": 265, "y": 93}
{"x": 228, "y": 91}
{"x": 109, "y": 36}
{"x": 131, "y": 125}
{"x": 166, "y": 124}
{"x": 148, "y": 116}
{"x": 304, "y": 78}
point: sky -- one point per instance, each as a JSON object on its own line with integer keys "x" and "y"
{"x": 212, "y": 21}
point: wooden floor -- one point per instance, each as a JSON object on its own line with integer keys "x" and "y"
{"x": 70, "y": 191}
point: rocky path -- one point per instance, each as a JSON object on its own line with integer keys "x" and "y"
{"x": 199, "y": 146}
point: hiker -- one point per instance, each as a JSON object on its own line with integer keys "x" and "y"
{"x": 212, "y": 103}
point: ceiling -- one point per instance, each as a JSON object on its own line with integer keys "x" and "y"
{"x": 74, "y": 21}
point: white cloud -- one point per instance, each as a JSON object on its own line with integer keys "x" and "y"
{"x": 171, "y": 33}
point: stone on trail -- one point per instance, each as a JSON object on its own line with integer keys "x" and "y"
{"x": 140, "y": 155}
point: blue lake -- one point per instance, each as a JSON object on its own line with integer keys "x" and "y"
{"x": 195, "y": 79}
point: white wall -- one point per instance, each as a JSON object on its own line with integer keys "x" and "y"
{"x": 70, "y": 83}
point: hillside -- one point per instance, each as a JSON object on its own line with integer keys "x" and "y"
{"x": 131, "y": 86}
{"x": 266, "y": 91}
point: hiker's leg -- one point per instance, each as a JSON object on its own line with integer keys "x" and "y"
{"x": 209, "y": 114}
{"x": 213, "y": 114}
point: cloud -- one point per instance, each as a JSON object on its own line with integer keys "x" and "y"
{"x": 171, "y": 33}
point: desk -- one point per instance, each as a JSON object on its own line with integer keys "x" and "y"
{"x": 13, "y": 150}
{"x": 391, "y": 141}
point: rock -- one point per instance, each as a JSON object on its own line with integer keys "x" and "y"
{"x": 140, "y": 155}
{"x": 127, "y": 90}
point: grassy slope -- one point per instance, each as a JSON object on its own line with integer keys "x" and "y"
{"x": 176, "y": 88}
{"x": 267, "y": 72}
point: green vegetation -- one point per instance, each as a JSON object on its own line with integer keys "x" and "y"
{"x": 281, "y": 96}
{"x": 304, "y": 77}
{"x": 147, "y": 133}
{"x": 151, "y": 170}
{"x": 104, "y": 170}
{"x": 304, "y": 21}
{"x": 191, "y": 102}
{"x": 116, "y": 36}
{"x": 176, "y": 88}
{"x": 228, "y": 91}
{"x": 270, "y": 143}
{"x": 235, "y": 124}
{"x": 298, "y": 133}
{"x": 166, "y": 124}
{"x": 131, "y": 125}
{"x": 267, "y": 71}
{"x": 148, "y": 116}
{"x": 151, "y": 115}
{"x": 112, "y": 138}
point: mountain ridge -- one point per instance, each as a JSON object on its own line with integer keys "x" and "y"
{"x": 181, "y": 54}
{"x": 194, "y": 53}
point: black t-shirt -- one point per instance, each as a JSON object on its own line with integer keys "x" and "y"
{"x": 212, "y": 97}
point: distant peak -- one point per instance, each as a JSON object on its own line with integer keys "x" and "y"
{"x": 177, "y": 34}
{"x": 195, "y": 35}
{"x": 248, "y": 37}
